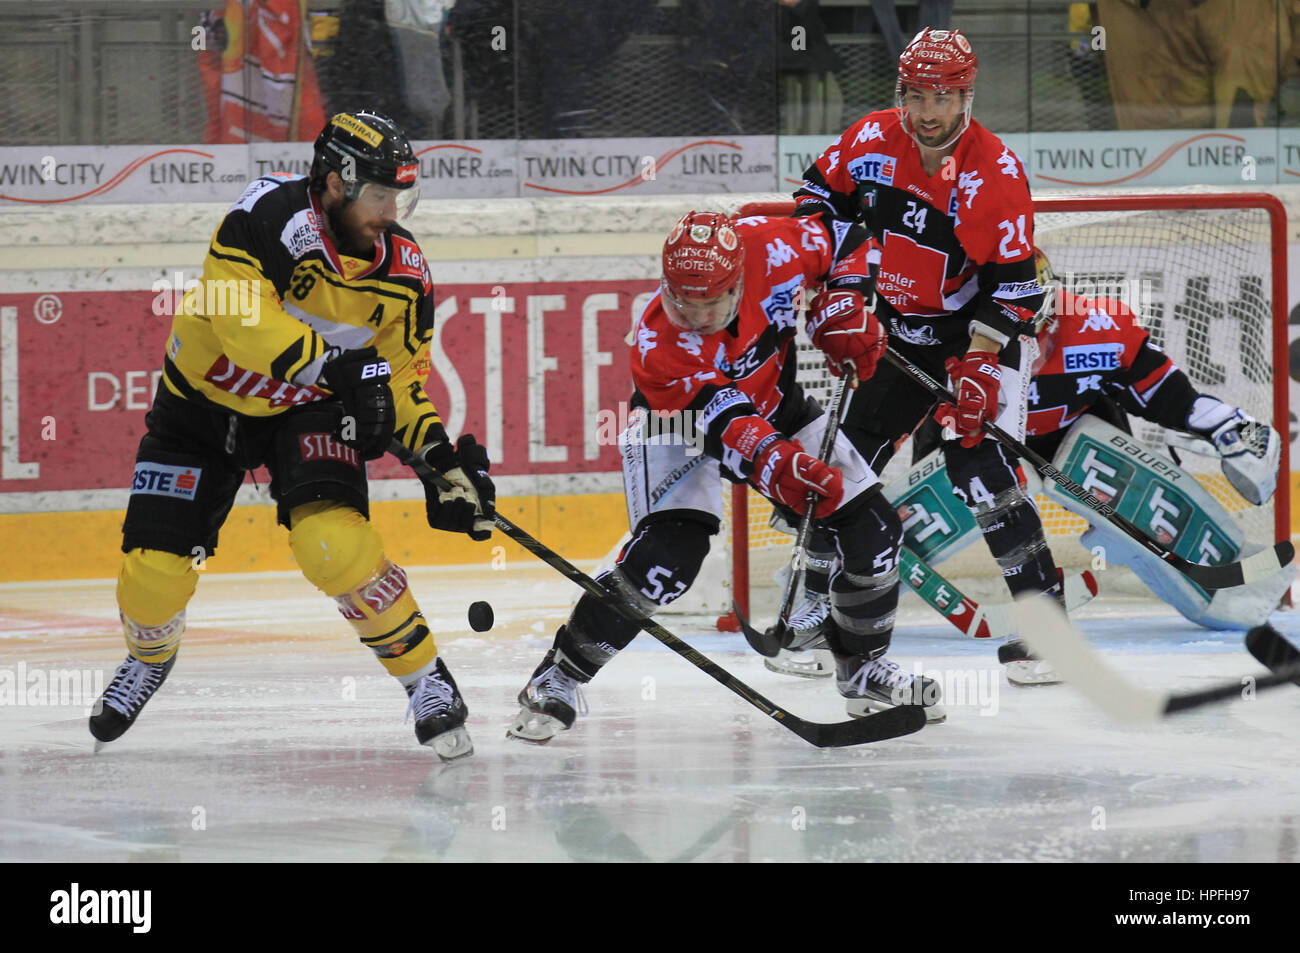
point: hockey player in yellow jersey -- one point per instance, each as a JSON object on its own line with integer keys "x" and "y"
{"x": 305, "y": 348}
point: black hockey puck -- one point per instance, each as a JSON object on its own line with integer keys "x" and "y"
{"x": 480, "y": 616}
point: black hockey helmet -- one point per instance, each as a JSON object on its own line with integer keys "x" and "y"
{"x": 364, "y": 148}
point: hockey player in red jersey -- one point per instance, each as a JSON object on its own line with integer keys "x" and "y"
{"x": 949, "y": 203}
{"x": 716, "y": 396}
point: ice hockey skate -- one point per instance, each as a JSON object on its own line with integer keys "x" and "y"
{"x": 552, "y": 701}
{"x": 878, "y": 684}
{"x": 440, "y": 714}
{"x": 808, "y": 655}
{"x": 1023, "y": 667}
{"x": 132, "y": 686}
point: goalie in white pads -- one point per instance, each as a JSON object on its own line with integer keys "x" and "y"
{"x": 716, "y": 396}
{"x": 1095, "y": 362}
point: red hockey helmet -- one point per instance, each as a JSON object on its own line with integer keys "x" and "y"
{"x": 938, "y": 60}
{"x": 703, "y": 262}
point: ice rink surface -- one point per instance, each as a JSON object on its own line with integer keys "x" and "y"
{"x": 277, "y": 737}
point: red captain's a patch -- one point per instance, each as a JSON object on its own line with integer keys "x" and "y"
{"x": 408, "y": 262}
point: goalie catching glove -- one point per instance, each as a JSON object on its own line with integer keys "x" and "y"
{"x": 842, "y": 327}
{"x": 359, "y": 379}
{"x": 467, "y": 505}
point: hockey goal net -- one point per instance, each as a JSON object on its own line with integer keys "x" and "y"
{"x": 1206, "y": 273}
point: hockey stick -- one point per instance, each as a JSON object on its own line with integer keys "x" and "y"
{"x": 901, "y": 720}
{"x": 1272, "y": 651}
{"x": 992, "y": 621}
{"x": 1051, "y": 634}
{"x": 769, "y": 642}
{"x": 1250, "y": 569}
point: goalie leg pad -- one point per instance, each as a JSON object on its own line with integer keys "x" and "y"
{"x": 864, "y": 592}
{"x": 153, "y": 589}
{"x": 985, "y": 478}
{"x": 343, "y": 556}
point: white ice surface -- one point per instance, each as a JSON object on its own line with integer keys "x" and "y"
{"x": 278, "y": 737}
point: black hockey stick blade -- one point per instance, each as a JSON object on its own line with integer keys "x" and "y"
{"x": 766, "y": 643}
{"x": 883, "y": 725}
{"x": 1259, "y": 566}
{"x": 1272, "y": 651}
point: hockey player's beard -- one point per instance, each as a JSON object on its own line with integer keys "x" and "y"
{"x": 347, "y": 239}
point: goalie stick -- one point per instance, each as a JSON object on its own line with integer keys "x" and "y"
{"x": 901, "y": 720}
{"x": 1250, "y": 569}
{"x": 991, "y": 621}
{"x": 1050, "y": 634}
{"x": 769, "y": 642}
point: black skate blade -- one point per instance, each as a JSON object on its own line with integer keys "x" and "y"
{"x": 766, "y": 643}
{"x": 1272, "y": 651}
{"x": 883, "y": 725}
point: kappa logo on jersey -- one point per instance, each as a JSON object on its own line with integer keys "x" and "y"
{"x": 690, "y": 342}
{"x": 873, "y": 167}
{"x": 779, "y": 305}
{"x": 161, "y": 479}
{"x": 1092, "y": 357}
{"x": 409, "y": 263}
{"x": 1008, "y": 162}
{"x": 832, "y": 160}
{"x": 1091, "y": 382}
{"x": 645, "y": 340}
{"x": 1099, "y": 321}
{"x": 301, "y": 233}
{"x": 323, "y": 446}
{"x": 868, "y": 132}
{"x": 969, "y": 182}
{"x": 778, "y": 254}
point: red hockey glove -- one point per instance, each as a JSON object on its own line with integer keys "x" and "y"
{"x": 784, "y": 473}
{"x": 840, "y": 326}
{"x": 975, "y": 382}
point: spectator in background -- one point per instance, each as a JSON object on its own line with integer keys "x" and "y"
{"x": 1193, "y": 64}
{"x": 416, "y": 28}
{"x": 1086, "y": 67}
{"x": 811, "y": 100}
{"x": 727, "y": 48}
{"x": 929, "y": 13}
{"x": 259, "y": 81}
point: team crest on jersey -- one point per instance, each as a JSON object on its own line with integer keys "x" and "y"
{"x": 868, "y": 132}
{"x": 924, "y": 335}
{"x": 408, "y": 262}
{"x": 1092, "y": 357}
{"x": 301, "y": 233}
{"x": 873, "y": 167}
{"x": 1099, "y": 321}
{"x": 781, "y": 305}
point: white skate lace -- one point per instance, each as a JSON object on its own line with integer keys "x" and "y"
{"x": 812, "y": 613}
{"x": 133, "y": 683}
{"x": 882, "y": 670}
{"x": 556, "y": 683}
{"x": 431, "y": 696}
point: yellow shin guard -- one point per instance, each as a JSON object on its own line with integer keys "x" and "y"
{"x": 342, "y": 555}
{"x": 153, "y": 589}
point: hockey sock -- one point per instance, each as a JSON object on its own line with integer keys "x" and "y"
{"x": 153, "y": 589}
{"x": 864, "y": 592}
{"x": 1013, "y": 533}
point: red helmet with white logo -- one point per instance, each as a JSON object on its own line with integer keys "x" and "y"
{"x": 703, "y": 261}
{"x": 938, "y": 59}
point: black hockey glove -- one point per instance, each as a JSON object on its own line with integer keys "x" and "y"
{"x": 467, "y": 506}
{"x": 360, "y": 381}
